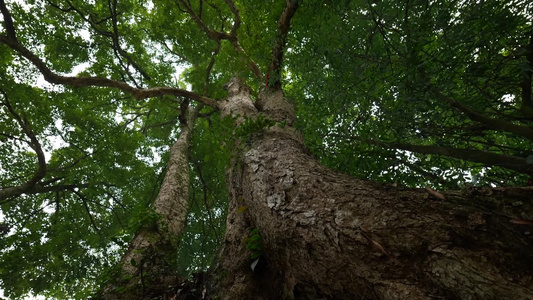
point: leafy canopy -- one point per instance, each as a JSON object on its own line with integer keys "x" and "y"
{"x": 380, "y": 89}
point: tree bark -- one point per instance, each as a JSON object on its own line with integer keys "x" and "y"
{"x": 325, "y": 235}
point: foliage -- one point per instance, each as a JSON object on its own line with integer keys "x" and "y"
{"x": 206, "y": 223}
{"x": 367, "y": 70}
{"x": 251, "y": 128}
{"x": 367, "y": 77}
{"x": 253, "y": 243}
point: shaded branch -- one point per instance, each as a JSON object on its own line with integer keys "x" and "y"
{"x": 237, "y": 17}
{"x": 180, "y": 56}
{"x": 515, "y": 163}
{"x": 281, "y": 41}
{"x": 11, "y": 137}
{"x": 474, "y": 115}
{"x": 170, "y": 122}
{"x": 380, "y": 27}
{"x": 209, "y": 68}
{"x": 423, "y": 172}
{"x": 71, "y": 165}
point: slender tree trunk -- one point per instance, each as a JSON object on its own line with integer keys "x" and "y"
{"x": 325, "y": 235}
{"x": 148, "y": 268}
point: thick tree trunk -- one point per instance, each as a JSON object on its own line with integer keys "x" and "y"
{"x": 148, "y": 268}
{"x": 325, "y": 235}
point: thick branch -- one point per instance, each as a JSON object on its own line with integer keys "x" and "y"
{"x": 12, "y": 192}
{"x": 515, "y": 163}
{"x": 172, "y": 202}
{"x": 152, "y": 245}
{"x": 474, "y": 115}
{"x": 8, "y": 21}
{"x": 281, "y": 40}
{"x": 102, "y": 82}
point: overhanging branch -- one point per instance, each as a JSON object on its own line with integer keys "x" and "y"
{"x": 474, "y": 115}
{"x": 515, "y": 163}
{"x": 102, "y": 82}
{"x": 10, "y": 193}
{"x": 11, "y": 41}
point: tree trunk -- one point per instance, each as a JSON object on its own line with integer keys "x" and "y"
{"x": 325, "y": 235}
{"x": 148, "y": 268}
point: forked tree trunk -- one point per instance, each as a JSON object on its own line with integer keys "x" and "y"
{"x": 325, "y": 235}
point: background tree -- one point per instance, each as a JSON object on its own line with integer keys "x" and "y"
{"x": 95, "y": 159}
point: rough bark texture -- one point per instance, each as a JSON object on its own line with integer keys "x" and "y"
{"x": 148, "y": 266}
{"x": 325, "y": 235}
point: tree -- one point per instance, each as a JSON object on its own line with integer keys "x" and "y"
{"x": 333, "y": 123}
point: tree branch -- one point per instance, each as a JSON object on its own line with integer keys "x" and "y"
{"x": 8, "y": 22}
{"x": 86, "y": 206}
{"x": 102, "y": 82}
{"x": 423, "y": 172}
{"x": 237, "y": 21}
{"x": 116, "y": 43}
{"x": 119, "y": 52}
{"x": 219, "y": 35}
{"x": 474, "y": 115}
{"x": 281, "y": 40}
{"x": 10, "y": 193}
{"x": 209, "y": 68}
{"x": 515, "y": 163}
{"x": 34, "y": 143}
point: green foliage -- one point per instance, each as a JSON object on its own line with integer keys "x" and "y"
{"x": 143, "y": 218}
{"x": 210, "y": 152}
{"x": 251, "y": 128}
{"x": 253, "y": 243}
{"x": 361, "y": 82}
